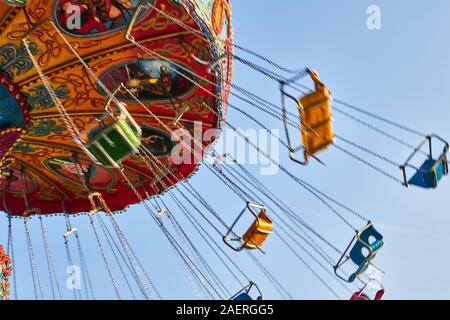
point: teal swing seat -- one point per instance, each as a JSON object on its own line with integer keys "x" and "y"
{"x": 432, "y": 170}
{"x": 364, "y": 247}
{"x": 112, "y": 143}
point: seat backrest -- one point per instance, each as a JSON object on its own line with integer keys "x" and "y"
{"x": 426, "y": 177}
{"x": 316, "y": 106}
{"x": 441, "y": 169}
{"x": 265, "y": 224}
{"x": 369, "y": 239}
{"x": 360, "y": 296}
{"x": 258, "y": 232}
{"x": 243, "y": 297}
{"x": 379, "y": 295}
{"x": 133, "y": 136}
{"x": 316, "y": 117}
{"x": 372, "y": 237}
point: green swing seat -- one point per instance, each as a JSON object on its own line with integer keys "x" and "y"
{"x": 114, "y": 142}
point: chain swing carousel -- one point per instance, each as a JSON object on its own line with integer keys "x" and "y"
{"x": 90, "y": 121}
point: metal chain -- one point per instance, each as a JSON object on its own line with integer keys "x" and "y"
{"x": 369, "y": 164}
{"x": 208, "y": 240}
{"x": 168, "y": 235}
{"x": 301, "y": 88}
{"x": 154, "y": 160}
{"x": 50, "y": 262}
{"x": 246, "y": 114}
{"x": 39, "y": 294}
{"x": 196, "y": 257}
{"x": 373, "y": 128}
{"x": 372, "y": 153}
{"x": 102, "y": 252}
{"x": 265, "y": 59}
{"x": 107, "y": 236}
{"x": 11, "y": 254}
{"x": 218, "y": 282}
{"x": 73, "y": 130}
{"x": 70, "y": 262}
{"x": 142, "y": 269}
{"x": 126, "y": 247}
{"x": 87, "y": 277}
{"x": 278, "y": 286}
{"x": 307, "y": 265}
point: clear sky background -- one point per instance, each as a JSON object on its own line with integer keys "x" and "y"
{"x": 401, "y": 72}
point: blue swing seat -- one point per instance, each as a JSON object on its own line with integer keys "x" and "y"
{"x": 367, "y": 243}
{"x": 364, "y": 241}
{"x": 369, "y": 239}
{"x": 430, "y": 173}
{"x": 244, "y": 294}
{"x": 244, "y": 297}
{"x": 433, "y": 169}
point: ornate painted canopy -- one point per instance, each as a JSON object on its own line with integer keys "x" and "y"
{"x": 39, "y": 149}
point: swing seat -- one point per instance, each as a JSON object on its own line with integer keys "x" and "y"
{"x": 243, "y": 297}
{"x": 244, "y": 294}
{"x": 361, "y": 296}
{"x": 430, "y": 173}
{"x": 379, "y": 295}
{"x": 113, "y": 143}
{"x": 258, "y": 232}
{"x": 368, "y": 243}
{"x": 316, "y": 118}
{"x": 364, "y": 248}
{"x": 369, "y": 239}
{"x": 432, "y": 170}
{"x": 246, "y": 297}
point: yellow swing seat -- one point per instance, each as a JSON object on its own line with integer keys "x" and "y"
{"x": 258, "y": 232}
{"x": 256, "y": 235}
{"x": 316, "y": 118}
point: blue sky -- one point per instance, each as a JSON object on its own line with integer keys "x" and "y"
{"x": 401, "y": 72}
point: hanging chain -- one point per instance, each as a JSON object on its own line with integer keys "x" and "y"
{"x": 105, "y": 260}
{"x": 135, "y": 266}
{"x": 70, "y": 263}
{"x": 87, "y": 277}
{"x": 11, "y": 254}
{"x": 142, "y": 200}
{"x": 278, "y": 286}
{"x": 204, "y": 234}
{"x": 109, "y": 239}
{"x": 50, "y": 262}
{"x": 34, "y": 268}
{"x": 74, "y": 132}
